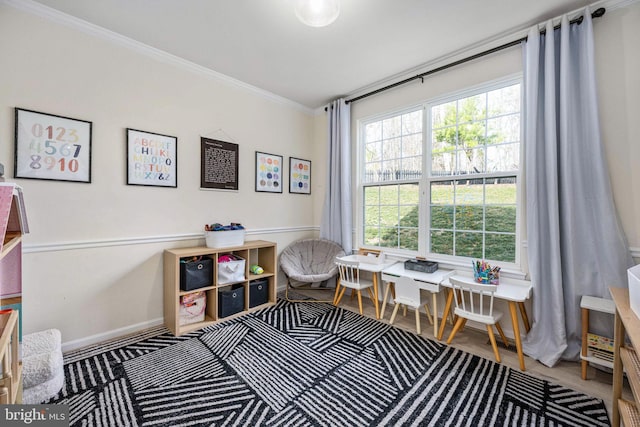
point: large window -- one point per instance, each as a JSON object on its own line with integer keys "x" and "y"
{"x": 469, "y": 170}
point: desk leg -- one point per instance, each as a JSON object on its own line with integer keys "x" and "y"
{"x": 447, "y": 308}
{"x": 434, "y": 297}
{"x": 385, "y": 298}
{"x": 525, "y": 319}
{"x": 516, "y": 333}
{"x": 375, "y": 294}
{"x": 335, "y": 297}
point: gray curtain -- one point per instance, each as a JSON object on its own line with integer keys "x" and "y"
{"x": 575, "y": 242}
{"x": 337, "y": 213}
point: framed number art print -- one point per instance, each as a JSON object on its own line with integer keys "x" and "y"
{"x": 52, "y": 147}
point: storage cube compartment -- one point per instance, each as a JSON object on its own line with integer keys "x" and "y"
{"x": 230, "y": 300}
{"x": 258, "y": 292}
{"x": 192, "y": 308}
{"x": 196, "y": 274}
{"x": 231, "y": 271}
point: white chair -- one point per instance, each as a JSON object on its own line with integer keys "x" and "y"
{"x": 471, "y": 305}
{"x": 349, "y": 277}
{"x": 408, "y": 294}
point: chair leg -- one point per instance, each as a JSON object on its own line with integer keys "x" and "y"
{"x": 492, "y": 338}
{"x": 340, "y": 296}
{"x": 370, "y": 292}
{"x": 360, "y": 301}
{"x": 404, "y": 313}
{"x": 418, "y": 320}
{"x": 393, "y": 314}
{"x": 502, "y": 335}
{"x": 335, "y": 296}
{"x": 455, "y": 329}
{"x": 426, "y": 310}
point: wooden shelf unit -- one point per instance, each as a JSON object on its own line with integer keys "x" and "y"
{"x": 259, "y": 252}
{"x": 625, "y": 359}
{"x": 10, "y": 359}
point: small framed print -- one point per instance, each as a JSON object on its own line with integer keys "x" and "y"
{"x": 52, "y": 147}
{"x": 268, "y": 172}
{"x": 152, "y": 159}
{"x": 299, "y": 176}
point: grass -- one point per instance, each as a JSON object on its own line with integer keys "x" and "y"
{"x": 392, "y": 217}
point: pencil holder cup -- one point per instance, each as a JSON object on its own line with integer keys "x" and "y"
{"x": 487, "y": 277}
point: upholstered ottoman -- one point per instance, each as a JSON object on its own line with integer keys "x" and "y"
{"x": 42, "y": 371}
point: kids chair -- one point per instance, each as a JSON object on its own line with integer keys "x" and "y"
{"x": 309, "y": 264}
{"x": 409, "y": 295}
{"x": 349, "y": 276}
{"x": 468, "y": 309}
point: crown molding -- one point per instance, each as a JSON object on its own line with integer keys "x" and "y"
{"x": 62, "y": 18}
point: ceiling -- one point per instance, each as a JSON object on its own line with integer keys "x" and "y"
{"x": 262, "y": 43}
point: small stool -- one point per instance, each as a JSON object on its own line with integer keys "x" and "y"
{"x": 598, "y": 304}
{"x": 42, "y": 366}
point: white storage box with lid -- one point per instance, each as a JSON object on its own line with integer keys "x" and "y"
{"x": 633, "y": 275}
{"x": 224, "y": 238}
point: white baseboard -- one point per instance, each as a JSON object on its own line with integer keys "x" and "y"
{"x": 116, "y": 333}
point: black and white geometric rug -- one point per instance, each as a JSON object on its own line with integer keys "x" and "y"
{"x": 307, "y": 364}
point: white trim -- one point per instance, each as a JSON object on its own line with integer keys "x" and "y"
{"x": 635, "y": 252}
{"x": 62, "y": 18}
{"x": 102, "y": 243}
{"x": 114, "y": 333}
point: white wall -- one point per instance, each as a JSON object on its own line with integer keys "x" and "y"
{"x": 92, "y": 262}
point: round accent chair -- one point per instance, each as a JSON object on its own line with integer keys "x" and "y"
{"x": 310, "y": 264}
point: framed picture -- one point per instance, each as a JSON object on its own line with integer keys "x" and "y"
{"x": 52, "y": 147}
{"x": 152, "y": 159}
{"x": 268, "y": 172}
{"x": 218, "y": 164}
{"x": 299, "y": 176}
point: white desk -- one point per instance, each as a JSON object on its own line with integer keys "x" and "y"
{"x": 370, "y": 264}
{"x": 427, "y": 281}
{"x": 513, "y": 291}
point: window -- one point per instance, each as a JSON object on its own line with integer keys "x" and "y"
{"x": 470, "y": 173}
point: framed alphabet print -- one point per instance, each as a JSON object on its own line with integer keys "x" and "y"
{"x": 152, "y": 159}
{"x": 268, "y": 172}
{"x": 299, "y": 176}
{"x": 52, "y": 147}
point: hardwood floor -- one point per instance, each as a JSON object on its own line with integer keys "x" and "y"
{"x": 565, "y": 373}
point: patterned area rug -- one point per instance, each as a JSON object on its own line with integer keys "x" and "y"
{"x": 307, "y": 364}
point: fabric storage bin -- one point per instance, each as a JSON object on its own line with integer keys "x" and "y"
{"x": 232, "y": 270}
{"x": 258, "y": 292}
{"x": 196, "y": 274}
{"x": 230, "y": 300}
{"x": 192, "y": 307}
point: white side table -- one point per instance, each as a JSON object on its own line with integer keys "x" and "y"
{"x": 588, "y": 303}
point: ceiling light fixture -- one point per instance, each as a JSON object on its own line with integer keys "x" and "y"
{"x": 317, "y": 13}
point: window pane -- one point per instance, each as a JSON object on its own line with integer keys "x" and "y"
{"x": 472, "y": 108}
{"x": 373, "y": 172}
{"x": 412, "y": 122}
{"x": 503, "y": 129}
{"x": 469, "y": 244}
{"x": 411, "y": 168}
{"x": 443, "y": 115}
{"x": 373, "y": 132}
{"x": 371, "y": 215}
{"x": 443, "y": 164}
{"x": 500, "y": 247}
{"x": 409, "y": 194}
{"x": 409, "y": 239}
{"x": 442, "y": 217}
{"x": 392, "y": 149}
{"x": 469, "y": 218}
{"x": 412, "y": 145}
{"x": 443, "y": 140}
{"x": 371, "y": 196}
{"x": 501, "y": 191}
{"x": 373, "y": 152}
{"x": 471, "y": 135}
{"x": 389, "y": 195}
{"x": 504, "y": 100}
{"x": 442, "y": 192}
{"x": 409, "y": 216}
{"x": 391, "y": 127}
{"x": 471, "y": 161}
{"x": 372, "y": 236}
{"x": 503, "y": 158}
{"x": 442, "y": 242}
{"x": 469, "y": 192}
{"x": 389, "y": 237}
{"x": 501, "y": 218}
{"x": 388, "y": 216}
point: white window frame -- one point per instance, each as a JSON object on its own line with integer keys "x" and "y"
{"x": 424, "y": 182}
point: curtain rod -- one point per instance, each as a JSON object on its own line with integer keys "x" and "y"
{"x": 596, "y": 14}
